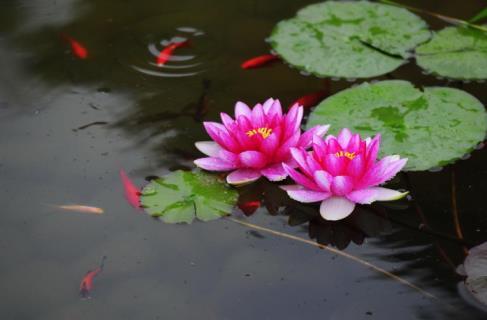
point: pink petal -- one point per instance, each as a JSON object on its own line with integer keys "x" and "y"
{"x": 369, "y": 195}
{"x": 354, "y": 143}
{"x": 336, "y": 208}
{"x": 307, "y": 196}
{"x": 313, "y": 165}
{"x": 344, "y": 137}
{"x": 333, "y": 146}
{"x": 307, "y": 137}
{"x": 219, "y": 133}
{"x": 299, "y": 155}
{"x": 274, "y": 173}
{"x": 373, "y": 150}
{"x": 253, "y": 159}
{"x": 229, "y": 157}
{"x": 214, "y": 164}
{"x": 292, "y": 121}
{"x": 323, "y": 180}
{"x": 242, "y": 176}
{"x": 228, "y": 122}
{"x": 271, "y": 143}
{"x": 382, "y": 171}
{"x": 267, "y": 105}
{"x": 275, "y": 110}
{"x": 319, "y": 148}
{"x": 244, "y": 123}
{"x": 210, "y": 148}
{"x": 283, "y": 152}
{"x": 258, "y": 116}
{"x": 356, "y": 167}
{"x": 334, "y": 165}
{"x": 241, "y": 109}
{"x": 341, "y": 185}
{"x": 300, "y": 179}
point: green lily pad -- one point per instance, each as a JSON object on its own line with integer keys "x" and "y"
{"x": 475, "y": 268}
{"x": 432, "y": 127}
{"x": 356, "y": 39}
{"x": 183, "y": 195}
{"x": 455, "y": 52}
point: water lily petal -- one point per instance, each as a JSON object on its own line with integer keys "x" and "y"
{"x": 219, "y": 133}
{"x": 210, "y": 148}
{"x": 323, "y": 179}
{"x": 228, "y": 122}
{"x": 214, "y": 164}
{"x": 369, "y": 195}
{"x": 354, "y": 143}
{"x": 271, "y": 143}
{"x": 336, "y": 208}
{"x": 383, "y": 171}
{"x": 333, "y": 146}
{"x": 241, "y": 109}
{"x": 307, "y": 196}
{"x": 229, "y": 157}
{"x": 299, "y": 155}
{"x": 356, "y": 166}
{"x": 275, "y": 110}
{"x": 307, "y": 137}
{"x": 301, "y": 179}
{"x": 253, "y": 159}
{"x": 243, "y": 176}
{"x": 283, "y": 153}
{"x": 344, "y": 137}
{"x": 334, "y": 165}
{"x": 373, "y": 150}
{"x": 275, "y": 172}
{"x": 267, "y": 105}
{"x": 319, "y": 148}
{"x": 341, "y": 185}
{"x": 258, "y": 116}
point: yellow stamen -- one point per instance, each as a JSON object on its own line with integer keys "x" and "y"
{"x": 264, "y": 132}
{"x": 349, "y": 155}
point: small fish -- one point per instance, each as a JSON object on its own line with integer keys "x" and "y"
{"x": 168, "y": 51}
{"x": 311, "y": 100}
{"x": 259, "y": 61}
{"x": 81, "y": 208}
{"x": 77, "y": 48}
{"x": 249, "y": 207}
{"x": 86, "y": 284}
{"x": 132, "y": 193}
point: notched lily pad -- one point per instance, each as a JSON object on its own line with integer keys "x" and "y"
{"x": 432, "y": 127}
{"x": 355, "y": 39}
{"x": 475, "y": 268}
{"x": 183, "y": 195}
{"x": 455, "y": 52}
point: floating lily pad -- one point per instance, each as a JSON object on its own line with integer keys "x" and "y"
{"x": 349, "y": 39}
{"x": 183, "y": 195}
{"x": 455, "y": 52}
{"x": 432, "y": 127}
{"x": 475, "y": 268}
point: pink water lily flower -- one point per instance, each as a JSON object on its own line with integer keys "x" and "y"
{"x": 256, "y": 143}
{"x": 342, "y": 171}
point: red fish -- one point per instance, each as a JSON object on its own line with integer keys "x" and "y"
{"x": 259, "y": 61}
{"x": 132, "y": 193}
{"x": 77, "y": 48}
{"x": 86, "y": 284}
{"x": 312, "y": 99}
{"x": 249, "y": 207}
{"x": 168, "y": 51}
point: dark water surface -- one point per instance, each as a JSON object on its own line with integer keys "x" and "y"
{"x": 217, "y": 270}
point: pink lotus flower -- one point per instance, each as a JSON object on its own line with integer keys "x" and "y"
{"x": 341, "y": 172}
{"x": 256, "y": 143}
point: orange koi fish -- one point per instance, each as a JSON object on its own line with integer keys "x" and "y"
{"x": 249, "y": 207}
{"x": 168, "y": 51}
{"x": 311, "y": 100}
{"x": 86, "y": 284}
{"x": 132, "y": 193}
{"x": 259, "y": 61}
{"x": 77, "y": 48}
{"x": 81, "y": 208}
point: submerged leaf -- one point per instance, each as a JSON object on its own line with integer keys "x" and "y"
{"x": 455, "y": 52}
{"x": 349, "y": 39}
{"x": 181, "y": 196}
{"x": 431, "y": 128}
{"x": 475, "y": 267}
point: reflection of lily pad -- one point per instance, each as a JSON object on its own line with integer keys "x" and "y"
{"x": 182, "y": 195}
{"x": 348, "y": 39}
{"x": 432, "y": 127}
{"x": 475, "y": 267}
{"x": 455, "y": 52}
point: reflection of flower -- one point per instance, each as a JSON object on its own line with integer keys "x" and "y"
{"x": 342, "y": 171}
{"x": 256, "y": 143}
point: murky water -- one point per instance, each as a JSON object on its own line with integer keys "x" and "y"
{"x": 145, "y": 118}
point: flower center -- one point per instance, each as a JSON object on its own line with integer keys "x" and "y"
{"x": 264, "y": 132}
{"x": 349, "y": 155}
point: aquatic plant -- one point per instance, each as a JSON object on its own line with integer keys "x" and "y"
{"x": 256, "y": 143}
{"x": 342, "y": 171}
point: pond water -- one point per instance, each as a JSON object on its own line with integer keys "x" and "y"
{"x": 145, "y": 119}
